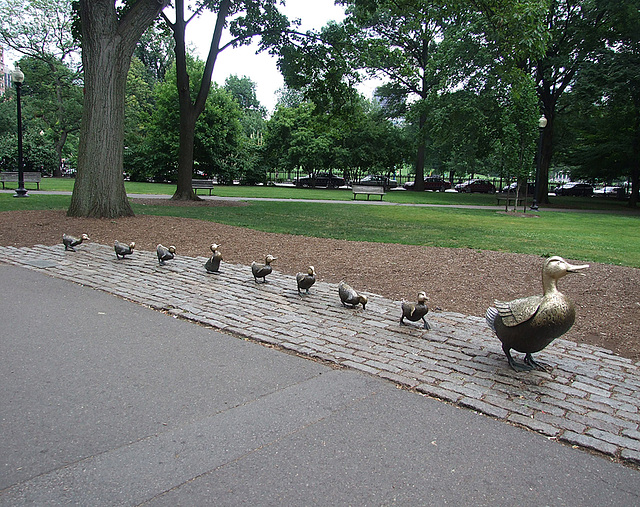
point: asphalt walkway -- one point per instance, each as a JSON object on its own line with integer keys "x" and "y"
{"x": 108, "y": 402}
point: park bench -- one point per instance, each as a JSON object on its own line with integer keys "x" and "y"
{"x": 202, "y": 184}
{"x": 508, "y": 200}
{"x": 512, "y": 200}
{"x": 368, "y": 190}
{"x": 29, "y": 177}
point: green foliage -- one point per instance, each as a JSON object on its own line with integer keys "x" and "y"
{"x": 40, "y": 30}
{"x": 39, "y": 27}
{"x": 218, "y": 147}
{"x": 139, "y": 106}
{"x": 243, "y": 90}
{"x": 51, "y": 108}
{"x": 155, "y": 51}
{"x": 153, "y": 132}
{"x": 513, "y": 149}
{"x": 360, "y": 142}
{"x": 601, "y": 130}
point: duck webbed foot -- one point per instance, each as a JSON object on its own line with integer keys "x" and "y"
{"x": 427, "y": 326}
{"x": 528, "y": 359}
{"x": 515, "y": 365}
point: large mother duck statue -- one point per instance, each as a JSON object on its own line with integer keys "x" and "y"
{"x": 530, "y": 324}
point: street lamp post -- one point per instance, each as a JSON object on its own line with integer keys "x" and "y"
{"x": 542, "y": 123}
{"x": 18, "y": 77}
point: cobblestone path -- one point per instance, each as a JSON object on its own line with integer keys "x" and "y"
{"x": 590, "y": 398}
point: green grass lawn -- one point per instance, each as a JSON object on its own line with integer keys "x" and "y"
{"x": 596, "y": 237}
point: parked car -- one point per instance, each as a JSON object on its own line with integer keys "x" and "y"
{"x": 610, "y": 191}
{"x": 378, "y": 180}
{"x": 320, "y": 180}
{"x": 575, "y": 189}
{"x": 435, "y": 183}
{"x": 483, "y": 186}
{"x": 529, "y": 189}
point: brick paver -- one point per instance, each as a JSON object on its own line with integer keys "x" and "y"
{"x": 590, "y": 397}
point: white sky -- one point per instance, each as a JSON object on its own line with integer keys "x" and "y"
{"x": 261, "y": 68}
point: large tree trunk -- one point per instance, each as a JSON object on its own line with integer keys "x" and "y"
{"x": 420, "y": 159}
{"x": 184, "y": 187}
{"x": 546, "y": 151}
{"x": 107, "y": 46}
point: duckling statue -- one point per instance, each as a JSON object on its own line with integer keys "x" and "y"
{"x": 165, "y": 254}
{"x": 262, "y": 270}
{"x": 306, "y": 280}
{"x": 213, "y": 264}
{"x": 349, "y": 296}
{"x": 415, "y": 311}
{"x": 122, "y": 250}
{"x": 530, "y": 324}
{"x": 70, "y": 242}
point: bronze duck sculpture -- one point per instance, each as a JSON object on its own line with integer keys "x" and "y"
{"x": 415, "y": 311}
{"x": 122, "y": 250}
{"x": 349, "y": 296}
{"x": 306, "y": 280}
{"x": 530, "y": 324}
{"x": 262, "y": 270}
{"x": 70, "y": 242}
{"x": 165, "y": 254}
{"x": 213, "y": 264}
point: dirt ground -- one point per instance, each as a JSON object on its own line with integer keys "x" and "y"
{"x": 456, "y": 280}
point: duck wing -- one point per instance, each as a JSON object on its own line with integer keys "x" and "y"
{"x": 305, "y": 281}
{"x": 347, "y": 294}
{"x": 519, "y": 310}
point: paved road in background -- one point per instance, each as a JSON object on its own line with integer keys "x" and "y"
{"x": 106, "y": 402}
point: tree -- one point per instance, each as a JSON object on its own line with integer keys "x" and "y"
{"x": 41, "y": 30}
{"x": 108, "y": 37}
{"x": 217, "y": 134}
{"x": 55, "y": 98}
{"x": 601, "y": 120}
{"x": 426, "y": 48}
{"x": 156, "y": 50}
{"x": 358, "y": 142}
{"x": 243, "y": 90}
{"x": 245, "y": 19}
{"x": 51, "y": 108}
{"x": 250, "y": 161}
{"x": 577, "y": 31}
{"x": 139, "y": 107}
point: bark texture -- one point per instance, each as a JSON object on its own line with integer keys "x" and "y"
{"x": 108, "y": 42}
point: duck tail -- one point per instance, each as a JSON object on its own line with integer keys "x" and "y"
{"x": 490, "y": 316}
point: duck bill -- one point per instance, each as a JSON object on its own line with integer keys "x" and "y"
{"x": 577, "y": 269}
